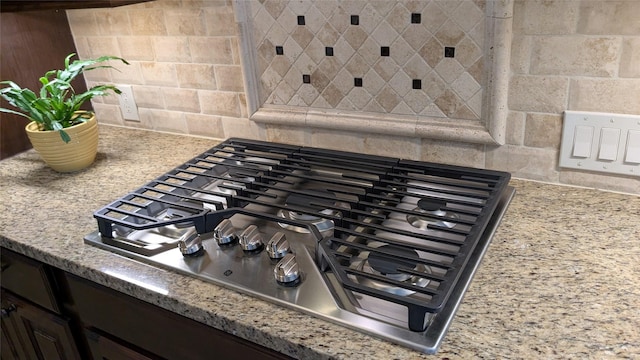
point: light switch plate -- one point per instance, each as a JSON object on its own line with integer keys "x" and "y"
{"x": 602, "y": 142}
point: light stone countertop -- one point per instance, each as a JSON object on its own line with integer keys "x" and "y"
{"x": 561, "y": 278}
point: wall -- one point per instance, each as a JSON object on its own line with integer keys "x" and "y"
{"x": 187, "y": 78}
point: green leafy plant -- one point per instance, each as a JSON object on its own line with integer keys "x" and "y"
{"x": 57, "y": 105}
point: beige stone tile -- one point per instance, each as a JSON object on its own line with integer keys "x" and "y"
{"x": 113, "y": 22}
{"x": 432, "y": 52}
{"x": 229, "y": 78}
{"x": 197, "y": 76}
{"x": 83, "y": 22}
{"x": 220, "y": 103}
{"x": 162, "y": 120}
{"x": 138, "y": 48}
{"x": 211, "y": 50}
{"x": 449, "y": 34}
{"x": 545, "y": 17}
{"x": 127, "y": 74}
{"x": 452, "y": 153}
{"x": 171, "y": 48}
{"x": 546, "y": 94}
{"x": 543, "y": 130}
{"x": 103, "y": 45}
{"x": 204, "y": 125}
{"x": 601, "y": 181}
{"x": 243, "y": 128}
{"x": 147, "y": 22}
{"x": 156, "y": 73}
{"x": 107, "y": 114}
{"x": 520, "y": 54}
{"x": 286, "y": 134}
{"x": 605, "y": 95}
{"x": 148, "y": 97}
{"x": 393, "y": 146}
{"x": 185, "y": 22}
{"x": 181, "y": 100}
{"x": 524, "y": 162}
{"x": 611, "y": 17}
{"x": 575, "y": 55}
{"x": 220, "y": 22}
{"x": 337, "y": 140}
{"x": 388, "y": 99}
{"x": 515, "y": 128}
{"x": 630, "y": 59}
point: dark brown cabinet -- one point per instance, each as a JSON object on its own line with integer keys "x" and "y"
{"x": 48, "y": 314}
{"x": 33, "y": 326}
{"x": 30, "y": 332}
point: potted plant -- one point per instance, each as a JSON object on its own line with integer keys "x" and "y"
{"x": 65, "y": 136}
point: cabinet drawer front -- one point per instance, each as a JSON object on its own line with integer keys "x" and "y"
{"x": 28, "y": 278}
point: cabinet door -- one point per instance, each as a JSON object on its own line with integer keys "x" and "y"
{"x": 42, "y": 335}
{"x": 103, "y": 348}
{"x": 11, "y": 348}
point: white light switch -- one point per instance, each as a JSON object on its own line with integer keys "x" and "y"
{"x": 602, "y": 142}
{"x": 633, "y": 147}
{"x": 609, "y": 139}
{"x": 582, "y": 141}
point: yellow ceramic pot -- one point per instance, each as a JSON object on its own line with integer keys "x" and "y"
{"x": 75, "y": 155}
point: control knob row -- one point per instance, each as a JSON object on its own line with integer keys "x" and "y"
{"x": 251, "y": 239}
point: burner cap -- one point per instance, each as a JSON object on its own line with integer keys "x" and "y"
{"x": 389, "y": 264}
{"x": 428, "y": 204}
{"x": 312, "y": 199}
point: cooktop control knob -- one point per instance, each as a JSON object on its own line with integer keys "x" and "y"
{"x": 278, "y": 246}
{"x": 225, "y": 233}
{"x": 251, "y": 239}
{"x": 190, "y": 244}
{"x": 287, "y": 271}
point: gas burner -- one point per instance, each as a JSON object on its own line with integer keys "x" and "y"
{"x": 428, "y": 208}
{"x": 317, "y": 204}
{"x": 388, "y": 266}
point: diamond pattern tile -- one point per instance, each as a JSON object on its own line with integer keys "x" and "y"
{"x": 416, "y": 33}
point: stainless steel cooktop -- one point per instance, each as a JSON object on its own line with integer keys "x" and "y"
{"x": 380, "y": 245}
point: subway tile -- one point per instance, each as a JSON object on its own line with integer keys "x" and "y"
{"x": 169, "y": 121}
{"x": 196, "y": 76}
{"x": 543, "y": 130}
{"x": 515, "y": 128}
{"x": 454, "y": 153}
{"x": 605, "y": 95}
{"x": 147, "y": 22}
{"x": 211, "y": 50}
{"x": 156, "y": 73}
{"x": 104, "y": 45}
{"x": 138, "y": 48}
{"x": 611, "y": 17}
{"x": 113, "y": 22}
{"x": 394, "y": 146}
{"x": 219, "y": 103}
{"x": 548, "y": 94}
{"x": 204, "y": 125}
{"x": 545, "y": 17}
{"x": 286, "y": 134}
{"x": 630, "y": 58}
{"x": 524, "y": 162}
{"x": 171, "y": 49}
{"x": 220, "y": 21}
{"x": 83, "y": 22}
{"x": 148, "y": 97}
{"x": 229, "y": 78}
{"x": 185, "y": 100}
{"x": 575, "y": 55}
{"x": 188, "y": 22}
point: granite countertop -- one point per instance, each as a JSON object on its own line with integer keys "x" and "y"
{"x": 560, "y": 279}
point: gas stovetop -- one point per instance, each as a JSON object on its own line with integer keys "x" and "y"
{"x": 381, "y": 245}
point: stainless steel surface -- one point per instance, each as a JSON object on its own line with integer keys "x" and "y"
{"x": 381, "y": 245}
{"x": 315, "y": 294}
{"x": 278, "y": 246}
{"x": 287, "y": 270}
{"x": 190, "y": 243}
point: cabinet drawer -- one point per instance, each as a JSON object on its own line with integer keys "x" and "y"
{"x": 28, "y": 278}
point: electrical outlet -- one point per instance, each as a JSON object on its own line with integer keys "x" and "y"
{"x": 128, "y": 103}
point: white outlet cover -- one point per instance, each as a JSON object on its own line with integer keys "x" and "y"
{"x": 602, "y": 157}
{"x": 128, "y": 105}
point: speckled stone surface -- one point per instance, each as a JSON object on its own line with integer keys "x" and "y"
{"x": 561, "y": 278}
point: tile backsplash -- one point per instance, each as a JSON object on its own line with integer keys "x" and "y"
{"x": 187, "y": 75}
